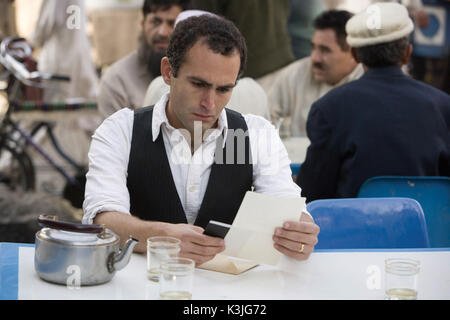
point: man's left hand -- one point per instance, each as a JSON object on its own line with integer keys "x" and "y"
{"x": 296, "y": 239}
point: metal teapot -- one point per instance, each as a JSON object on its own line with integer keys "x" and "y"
{"x": 78, "y": 254}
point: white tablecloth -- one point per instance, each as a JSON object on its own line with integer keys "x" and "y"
{"x": 326, "y": 275}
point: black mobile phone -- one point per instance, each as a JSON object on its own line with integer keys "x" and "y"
{"x": 217, "y": 229}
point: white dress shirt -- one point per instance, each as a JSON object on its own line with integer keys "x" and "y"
{"x": 106, "y": 186}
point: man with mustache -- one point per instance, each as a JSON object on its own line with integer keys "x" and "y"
{"x": 382, "y": 124}
{"x": 304, "y": 81}
{"x": 125, "y": 82}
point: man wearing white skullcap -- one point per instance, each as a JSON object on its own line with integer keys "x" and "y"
{"x": 379, "y": 23}
{"x": 384, "y": 123}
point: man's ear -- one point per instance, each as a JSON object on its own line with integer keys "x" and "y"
{"x": 166, "y": 70}
{"x": 407, "y": 54}
{"x": 355, "y": 55}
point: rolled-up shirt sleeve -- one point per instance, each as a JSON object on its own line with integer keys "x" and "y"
{"x": 106, "y": 180}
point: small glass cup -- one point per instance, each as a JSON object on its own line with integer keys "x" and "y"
{"x": 401, "y": 277}
{"x": 176, "y": 279}
{"x": 158, "y": 249}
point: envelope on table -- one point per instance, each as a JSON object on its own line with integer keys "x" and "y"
{"x": 225, "y": 264}
{"x": 250, "y": 236}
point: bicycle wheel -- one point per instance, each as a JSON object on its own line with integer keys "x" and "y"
{"x": 16, "y": 170}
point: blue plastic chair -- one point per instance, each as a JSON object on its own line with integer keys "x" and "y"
{"x": 433, "y": 194}
{"x": 369, "y": 223}
{"x": 295, "y": 168}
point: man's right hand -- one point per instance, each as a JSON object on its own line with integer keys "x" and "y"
{"x": 194, "y": 244}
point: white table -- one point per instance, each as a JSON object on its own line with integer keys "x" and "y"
{"x": 328, "y": 274}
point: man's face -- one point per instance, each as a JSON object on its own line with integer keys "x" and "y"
{"x": 330, "y": 63}
{"x": 202, "y": 88}
{"x": 158, "y": 26}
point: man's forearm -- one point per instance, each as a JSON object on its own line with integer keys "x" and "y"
{"x": 194, "y": 244}
{"x": 125, "y": 225}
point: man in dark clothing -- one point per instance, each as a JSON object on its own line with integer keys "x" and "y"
{"x": 385, "y": 123}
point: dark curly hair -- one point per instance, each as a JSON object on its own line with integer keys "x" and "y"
{"x": 155, "y": 5}
{"x": 220, "y": 34}
{"x": 383, "y": 54}
{"x": 335, "y": 20}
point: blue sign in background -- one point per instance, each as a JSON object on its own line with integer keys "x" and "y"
{"x": 435, "y": 25}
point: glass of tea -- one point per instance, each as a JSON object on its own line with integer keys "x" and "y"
{"x": 158, "y": 249}
{"x": 176, "y": 279}
{"x": 401, "y": 278}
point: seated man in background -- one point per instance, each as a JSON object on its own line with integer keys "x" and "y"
{"x": 384, "y": 123}
{"x": 160, "y": 170}
{"x": 125, "y": 82}
{"x": 304, "y": 81}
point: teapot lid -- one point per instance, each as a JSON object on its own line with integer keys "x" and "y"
{"x": 77, "y": 238}
{"x": 76, "y": 234}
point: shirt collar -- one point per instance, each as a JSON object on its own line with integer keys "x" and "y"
{"x": 356, "y": 73}
{"x": 385, "y": 71}
{"x": 160, "y": 117}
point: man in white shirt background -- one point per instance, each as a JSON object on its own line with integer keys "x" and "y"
{"x": 304, "y": 81}
{"x": 148, "y": 177}
{"x": 125, "y": 82}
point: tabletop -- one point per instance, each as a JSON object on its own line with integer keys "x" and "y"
{"x": 326, "y": 275}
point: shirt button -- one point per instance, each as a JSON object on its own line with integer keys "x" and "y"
{"x": 192, "y": 189}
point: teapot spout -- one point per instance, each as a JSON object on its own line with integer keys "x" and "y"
{"x": 119, "y": 260}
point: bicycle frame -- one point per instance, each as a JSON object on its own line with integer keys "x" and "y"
{"x": 19, "y": 74}
{"x": 30, "y": 141}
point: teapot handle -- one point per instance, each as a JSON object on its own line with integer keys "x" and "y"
{"x": 52, "y": 222}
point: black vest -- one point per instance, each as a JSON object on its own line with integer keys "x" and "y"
{"x": 153, "y": 195}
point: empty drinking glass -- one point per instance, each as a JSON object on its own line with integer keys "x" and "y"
{"x": 401, "y": 278}
{"x": 158, "y": 249}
